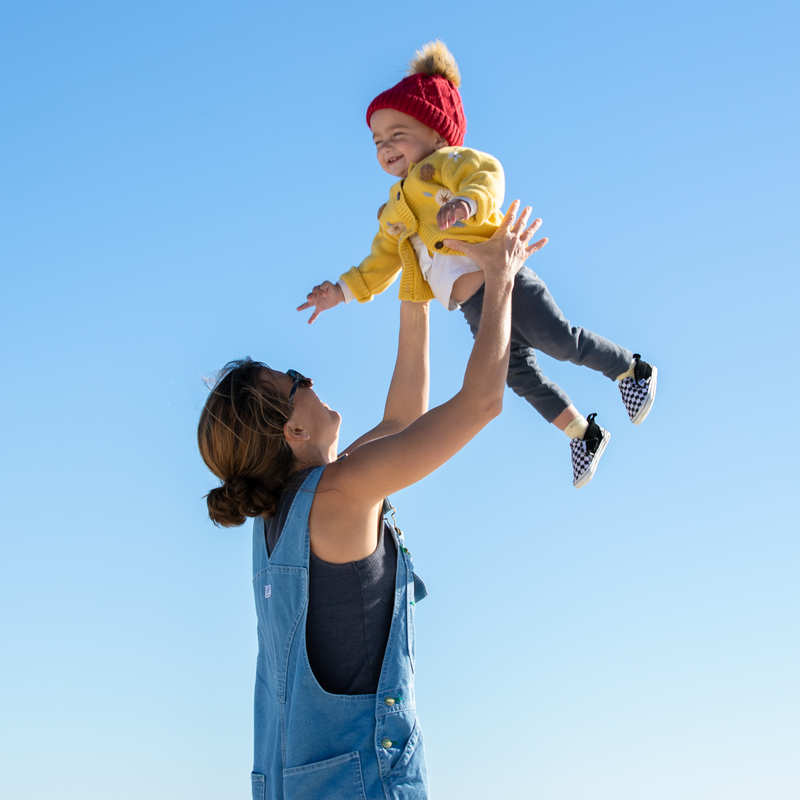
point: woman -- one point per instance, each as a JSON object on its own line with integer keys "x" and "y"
{"x": 334, "y": 586}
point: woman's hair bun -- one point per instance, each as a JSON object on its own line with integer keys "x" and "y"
{"x": 230, "y": 504}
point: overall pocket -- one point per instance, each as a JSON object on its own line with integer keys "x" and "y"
{"x": 332, "y": 779}
{"x": 258, "y": 785}
{"x": 408, "y": 777}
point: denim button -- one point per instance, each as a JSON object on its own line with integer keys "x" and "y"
{"x": 387, "y": 743}
{"x": 389, "y": 701}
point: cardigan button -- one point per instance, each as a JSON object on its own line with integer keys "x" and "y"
{"x": 398, "y": 195}
{"x": 439, "y": 245}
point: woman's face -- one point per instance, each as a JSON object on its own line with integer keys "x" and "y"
{"x": 319, "y": 420}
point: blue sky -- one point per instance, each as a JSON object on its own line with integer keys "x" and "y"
{"x": 176, "y": 176}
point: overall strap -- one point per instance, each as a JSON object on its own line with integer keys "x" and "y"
{"x": 260, "y": 559}
{"x": 304, "y": 497}
{"x": 293, "y": 547}
{"x": 420, "y": 590}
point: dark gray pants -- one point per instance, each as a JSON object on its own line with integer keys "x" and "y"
{"x": 537, "y": 322}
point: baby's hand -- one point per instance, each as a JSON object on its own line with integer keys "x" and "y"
{"x": 452, "y": 212}
{"x": 322, "y": 297}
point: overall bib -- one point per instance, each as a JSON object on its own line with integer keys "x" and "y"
{"x": 309, "y": 744}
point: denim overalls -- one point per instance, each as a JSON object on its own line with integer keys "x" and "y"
{"x": 311, "y": 745}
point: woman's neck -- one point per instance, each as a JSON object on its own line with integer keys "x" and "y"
{"x": 316, "y": 456}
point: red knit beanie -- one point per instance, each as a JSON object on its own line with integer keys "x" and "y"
{"x": 429, "y": 93}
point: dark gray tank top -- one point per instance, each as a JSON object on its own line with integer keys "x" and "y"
{"x": 349, "y": 608}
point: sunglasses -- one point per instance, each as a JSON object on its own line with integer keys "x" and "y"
{"x": 299, "y": 380}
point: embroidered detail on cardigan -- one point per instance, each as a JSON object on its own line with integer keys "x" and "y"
{"x": 443, "y": 196}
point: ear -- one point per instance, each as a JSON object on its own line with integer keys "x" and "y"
{"x": 440, "y": 142}
{"x": 295, "y": 433}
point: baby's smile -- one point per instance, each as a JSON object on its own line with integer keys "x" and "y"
{"x": 401, "y": 140}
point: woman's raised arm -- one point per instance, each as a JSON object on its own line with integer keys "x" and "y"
{"x": 408, "y": 392}
{"x": 383, "y": 466}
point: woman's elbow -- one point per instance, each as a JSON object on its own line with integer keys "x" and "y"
{"x": 481, "y": 407}
{"x": 492, "y": 408}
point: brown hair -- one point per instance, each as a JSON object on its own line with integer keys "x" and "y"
{"x": 240, "y": 436}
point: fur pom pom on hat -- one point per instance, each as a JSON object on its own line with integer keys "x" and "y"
{"x": 429, "y": 93}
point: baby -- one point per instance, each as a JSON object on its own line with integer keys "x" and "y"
{"x": 418, "y": 127}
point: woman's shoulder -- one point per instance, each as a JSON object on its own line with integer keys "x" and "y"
{"x": 343, "y": 516}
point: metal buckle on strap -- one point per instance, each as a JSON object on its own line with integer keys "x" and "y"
{"x": 388, "y": 511}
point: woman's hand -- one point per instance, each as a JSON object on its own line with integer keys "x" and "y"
{"x": 508, "y": 249}
{"x": 322, "y": 297}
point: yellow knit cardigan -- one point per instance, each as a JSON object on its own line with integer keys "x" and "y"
{"x": 412, "y": 208}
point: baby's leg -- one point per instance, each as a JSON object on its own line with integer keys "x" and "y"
{"x": 525, "y": 376}
{"x": 587, "y": 439}
{"x": 537, "y": 321}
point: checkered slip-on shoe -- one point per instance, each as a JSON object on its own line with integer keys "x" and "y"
{"x": 639, "y": 392}
{"x": 586, "y": 452}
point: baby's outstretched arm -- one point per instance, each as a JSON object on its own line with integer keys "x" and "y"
{"x": 322, "y": 297}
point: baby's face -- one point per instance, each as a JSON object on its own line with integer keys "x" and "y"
{"x": 402, "y": 140}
